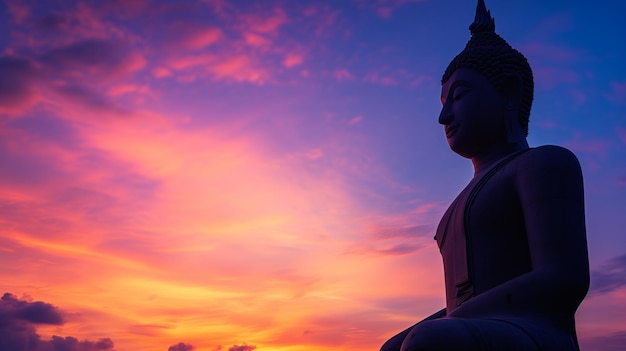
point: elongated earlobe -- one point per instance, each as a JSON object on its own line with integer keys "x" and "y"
{"x": 514, "y": 131}
{"x": 512, "y": 90}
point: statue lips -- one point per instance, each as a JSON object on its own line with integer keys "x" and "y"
{"x": 451, "y": 130}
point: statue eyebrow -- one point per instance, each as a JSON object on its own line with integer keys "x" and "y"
{"x": 456, "y": 83}
{"x": 459, "y": 82}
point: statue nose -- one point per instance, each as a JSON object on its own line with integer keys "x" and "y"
{"x": 446, "y": 116}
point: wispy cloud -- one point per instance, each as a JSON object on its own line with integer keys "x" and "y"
{"x": 618, "y": 93}
{"x": 547, "y": 77}
{"x": 385, "y": 8}
{"x": 263, "y": 172}
{"x": 596, "y": 147}
{"x": 621, "y": 132}
{"x": 18, "y": 89}
{"x": 609, "y": 342}
{"x": 543, "y": 51}
{"x": 609, "y": 276}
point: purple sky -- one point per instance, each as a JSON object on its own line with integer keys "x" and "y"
{"x": 270, "y": 173}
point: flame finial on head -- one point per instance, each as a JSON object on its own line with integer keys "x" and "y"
{"x": 483, "y": 22}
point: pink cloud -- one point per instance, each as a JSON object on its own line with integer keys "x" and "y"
{"x": 547, "y": 124}
{"x": 123, "y": 89}
{"x": 188, "y": 61}
{"x": 420, "y": 80}
{"x": 80, "y": 58}
{"x": 550, "y": 52}
{"x": 385, "y": 8}
{"x": 579, "y": 96}
{"x": 53, "y": 80}
{"x": 324, "y": 18}
{"x": 17, "y": 10}
{"x": 267, "y": 24}
{"x": 606, "y": 341}
{"x": 618, "y": 93}
{"x": 254, "y": 39}
{"x": 311, "y": 154}
{"x": 233, "y": 60}
{"x": 343, "y": 74}
{"x": 384, "y": 12}
{"x": 247, "y": 47}
{"x": 356, "y": 120}
{"x": 259, "y": 31}
{"x": 125, "y": 9}
{"x": 220, "y": 7}
{"x": 377, "y": 78}
{"x": 555, "y": 24}
{"x": 181, "y": 35}
{"x": 202, "y": 38}
{"x": 398, "y": 234}
{"x": 394, "y": 250}
{"x": 547, "y": 77}
{"x": 621, "y": 132}
{"x": 597, "y": 147}
{"x": 161, "y": 72}
{"x": 292, "y": 60}
{"x": 240, "y": 69}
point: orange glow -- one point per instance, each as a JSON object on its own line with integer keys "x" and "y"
{"x": 206, "y": 255}
{"x": 269, "y": 173}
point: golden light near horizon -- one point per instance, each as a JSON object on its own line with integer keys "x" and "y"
{"x": 267, "y": 176}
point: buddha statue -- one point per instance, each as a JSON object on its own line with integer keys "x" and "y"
{"x": 513, "y": 242}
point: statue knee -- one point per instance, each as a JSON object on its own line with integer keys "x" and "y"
{"x": 395, "y": 342}
{"x": 392, "y": 344}
{"x": 439, "y": 335}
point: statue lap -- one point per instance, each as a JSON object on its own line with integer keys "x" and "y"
{"x": 474, "y": 334}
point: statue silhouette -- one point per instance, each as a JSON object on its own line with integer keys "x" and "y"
{"x": 513, "y": 242}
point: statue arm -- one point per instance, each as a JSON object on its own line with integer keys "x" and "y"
{"x": 550, "y": 189}
{"x": 436, "y": 315}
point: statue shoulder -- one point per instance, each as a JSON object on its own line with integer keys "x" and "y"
{"x": 548, "y": 172}
{"x": 548, "y": 158}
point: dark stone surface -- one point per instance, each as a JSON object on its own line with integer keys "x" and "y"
{"x": 513, "y": 242}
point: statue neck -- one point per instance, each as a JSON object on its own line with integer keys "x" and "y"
{"x": 495, "y": 153}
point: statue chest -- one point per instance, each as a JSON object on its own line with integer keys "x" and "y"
{"x": 482, "y": 237}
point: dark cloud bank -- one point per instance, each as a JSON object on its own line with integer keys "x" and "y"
{"x": 181, "y": 347}
{"x": 244, "y": 347}
{"x": 184, "y": 347}
{"x": 19, "y": 318}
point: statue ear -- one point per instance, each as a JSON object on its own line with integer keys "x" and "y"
{"x": 512, "y": 91}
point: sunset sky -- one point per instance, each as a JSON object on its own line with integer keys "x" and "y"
{"x": 268, "y": 175}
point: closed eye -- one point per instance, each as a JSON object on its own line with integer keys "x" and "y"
{"x": 459, "y": 92}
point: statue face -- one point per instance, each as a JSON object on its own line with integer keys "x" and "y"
{"x": 472, "y": 113}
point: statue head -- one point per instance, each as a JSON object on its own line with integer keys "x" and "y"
{"x": 505, "y": 68}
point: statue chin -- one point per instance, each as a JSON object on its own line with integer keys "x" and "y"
{"x": 522, "y": 203}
